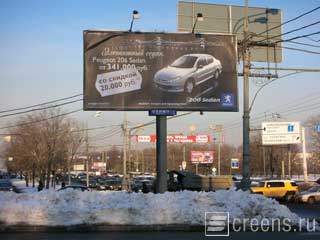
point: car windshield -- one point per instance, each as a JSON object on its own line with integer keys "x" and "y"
{"x": 314, "y": 189}
{"x": 261, "y": 184}
{"x": 184, "y": 62}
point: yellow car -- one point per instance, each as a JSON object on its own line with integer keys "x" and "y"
{"x": 279, "y": 189}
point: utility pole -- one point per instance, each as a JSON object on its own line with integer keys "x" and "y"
{"x": 305, "y": 168}
{"x": 184, "y": 153}
{"x": 137, "y": 161}
{"x": 219, "y": 153}
{"x": 142, "y": 164}
{"x": 264, "y": 161}
{"x": 87, "y": 159}
{"x": 125, "y": 138}
{"x": 289, "y": 161}
{"x": 245, "y": 182}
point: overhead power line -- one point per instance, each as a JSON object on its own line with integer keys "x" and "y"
{"x": 43, "y": 108}
{"x": 300, "y": 50}
{"x": 304, "y": 44}
{"x": 292, "y": 31}
{"x": 95, "y": 128}
{"x": 41, "y": 104}
{"x": 314, "y": 40}
{"x": 301, "y": 36}
{"x": 291, "y": 20}
{"x": 41, "y": 120}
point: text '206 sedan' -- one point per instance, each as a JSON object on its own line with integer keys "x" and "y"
{"x": 187, "y": 72}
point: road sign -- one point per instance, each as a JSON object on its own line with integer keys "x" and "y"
{"x": 234, "y": 163}
{"x": 277, "y": 133}
{"x": 229, "y": 19}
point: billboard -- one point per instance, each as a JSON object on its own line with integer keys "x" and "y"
{"x": 229, "y": 19}
{"x": 98, "y": 165}
{"x": 163, "y": 71}
{"x": 276, "y": 133}
{"x": 78, "y": 167}
{"x": 175, "y": 139}
{"x": 201, "y": 156}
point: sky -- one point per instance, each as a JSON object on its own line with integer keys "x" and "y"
{"x": 41, "y": 60}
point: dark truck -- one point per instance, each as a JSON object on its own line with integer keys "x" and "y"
{"x": 183, "y": 180}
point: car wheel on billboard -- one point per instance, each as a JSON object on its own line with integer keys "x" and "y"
{"x": 189, "y": 87}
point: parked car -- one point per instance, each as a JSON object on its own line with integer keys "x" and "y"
{"x": 278, "y": 189}
{"x": 92, "y": 182}
{"x": 311, "y": 196}
{"x": 114, "y": 184}
{"x": 6, "y": 186}
{"x": 75, "y": 187}
{"x": 144, "y": 186}
{"x": 187, "y": 72}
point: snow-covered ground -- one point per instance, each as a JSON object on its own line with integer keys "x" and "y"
{"x": 71, "y": 207}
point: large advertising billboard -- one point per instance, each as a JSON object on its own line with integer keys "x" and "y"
{"x": 202, "y": 156}
{"x": 147, "y": 71}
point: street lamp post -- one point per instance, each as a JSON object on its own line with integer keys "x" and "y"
{"x": 245, "y": 182}
{"x": 199, "y": 18}
{"x": 192, "y": 128}
{"x": 135, "y": 15}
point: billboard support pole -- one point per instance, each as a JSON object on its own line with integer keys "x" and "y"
{"x": 245, "y": 182}
{"x": 161, "y": 127}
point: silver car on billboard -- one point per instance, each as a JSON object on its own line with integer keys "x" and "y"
{"x": 187, "y": 72}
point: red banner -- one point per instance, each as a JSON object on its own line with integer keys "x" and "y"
{"x": 202, "y": 156}
{"x": 175, "y": 139}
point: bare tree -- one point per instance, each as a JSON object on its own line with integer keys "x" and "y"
{"x": 42, "y": 143}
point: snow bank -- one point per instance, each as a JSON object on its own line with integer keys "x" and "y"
{"x": 71, "y": 207}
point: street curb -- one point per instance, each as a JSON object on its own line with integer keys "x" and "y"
{"x": 101, "y": 228}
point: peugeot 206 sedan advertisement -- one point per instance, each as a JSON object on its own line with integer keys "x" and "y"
{"x": 145, "y": 71}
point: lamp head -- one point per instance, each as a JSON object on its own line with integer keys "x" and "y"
{"x": 199, "y": 17}
{"x": 135, "y": 14}
{"x": 272, "y": 11}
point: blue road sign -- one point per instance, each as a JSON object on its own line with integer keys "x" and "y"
{"x": 290, "y": 128}
{"x": 235, "y": 163}
{"x": 161, "y": 112}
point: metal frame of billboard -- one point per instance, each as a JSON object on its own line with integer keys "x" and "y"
{"x": 232, "y": 84}
{"x": 230, "y": 19}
